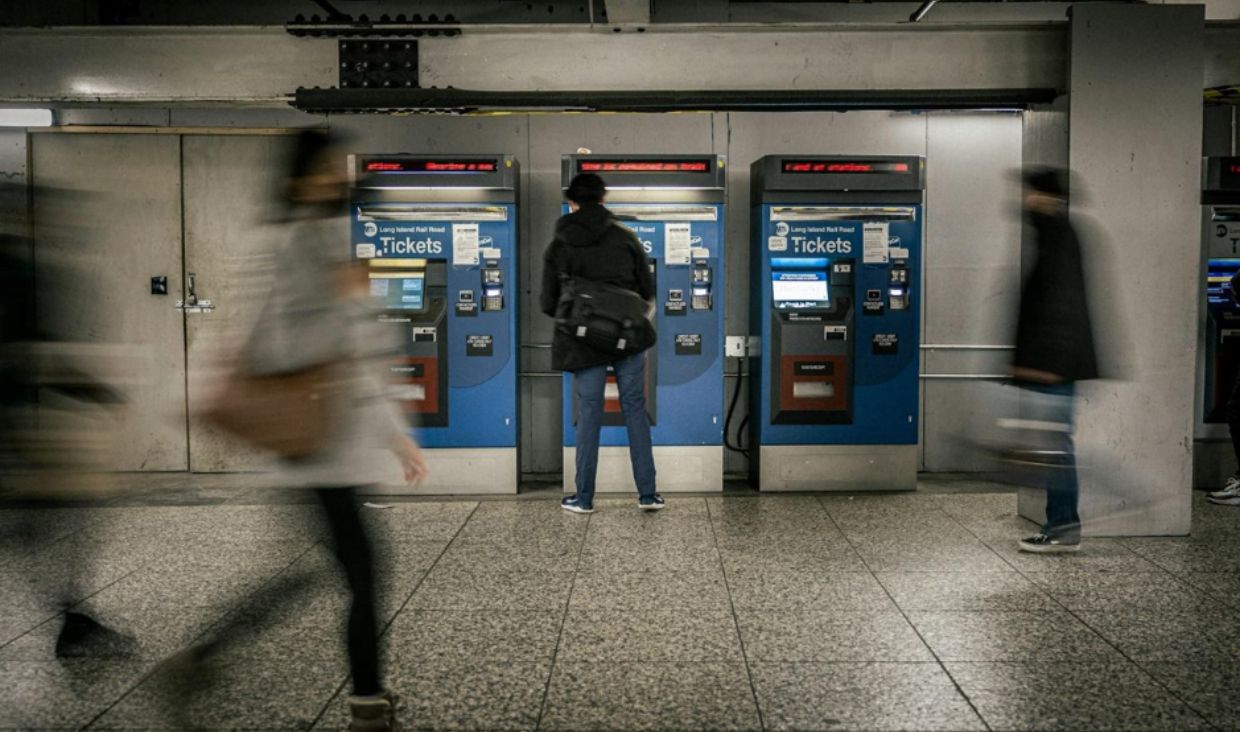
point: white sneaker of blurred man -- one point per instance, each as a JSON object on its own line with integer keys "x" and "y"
{"x": 1230, "y": 495}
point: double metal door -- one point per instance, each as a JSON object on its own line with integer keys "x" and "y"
{"x": 118, "y": 217}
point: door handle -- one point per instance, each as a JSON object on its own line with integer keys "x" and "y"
{"x": 191, "y": 303}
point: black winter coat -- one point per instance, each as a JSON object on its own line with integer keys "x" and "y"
{"x": 590, "y": 243}
{"x": 1054, "y": 332}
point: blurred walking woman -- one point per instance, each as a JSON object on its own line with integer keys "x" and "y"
{"x": 317, "y": 316}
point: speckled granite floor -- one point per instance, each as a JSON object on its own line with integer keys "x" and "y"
{"x": 901, "y": 611}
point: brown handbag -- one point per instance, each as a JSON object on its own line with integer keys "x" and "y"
{"x": 287, "y": 414}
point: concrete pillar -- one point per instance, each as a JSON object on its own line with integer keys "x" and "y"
{"x": 1135, "y": 127}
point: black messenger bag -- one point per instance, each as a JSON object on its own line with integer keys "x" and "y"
{"x": 605, "y": 317}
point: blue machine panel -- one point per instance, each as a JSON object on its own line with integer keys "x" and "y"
{"x": 685, "y": 369}
{"x": 444, "y": 274}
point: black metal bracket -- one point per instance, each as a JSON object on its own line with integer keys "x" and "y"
{"x": 465, "y": 101}
{"x": 343, "y": 25}
{"x": 378, "y": 64}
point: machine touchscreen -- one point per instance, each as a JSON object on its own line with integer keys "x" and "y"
{"x": 403, "y": 292}
{"x": 800, "y": 290}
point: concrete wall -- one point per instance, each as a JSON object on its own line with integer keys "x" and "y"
{"x": 1135, "y": 144}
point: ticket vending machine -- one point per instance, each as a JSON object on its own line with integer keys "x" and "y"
{"x": 439, "y": 238}
{"x": 1219, "y": 343}
{"x": 834, "y": 301}
{"x": 675, "y": 206}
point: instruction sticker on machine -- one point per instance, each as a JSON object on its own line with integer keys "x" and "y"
{"x": 688, "y": 344}
{"x": 479, "y": 345}
{"x": 465, "y": 245}
{"x": 886, "y": 344}
{"x": 874, "y": 243}
{"x": 677, "y": 247}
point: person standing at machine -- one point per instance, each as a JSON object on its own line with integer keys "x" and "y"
{"x": 591, "y": 244}
{"x": 1054, "y": 350}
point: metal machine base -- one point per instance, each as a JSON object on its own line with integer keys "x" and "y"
{"x": 837, "y": 468}
{"x": 462, "y": 471}
{"x": 681, "y": 469}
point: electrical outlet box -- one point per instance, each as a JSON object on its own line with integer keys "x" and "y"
{"x": 734, "y": 346}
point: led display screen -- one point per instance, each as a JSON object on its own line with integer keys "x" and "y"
{"x": 598, "y": 165}
{"x": 427, "y": 165}
{"x": 1230, "y": 177}
{"x": 823, "y": 167}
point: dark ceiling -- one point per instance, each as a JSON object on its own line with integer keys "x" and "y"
{"x": 278, "y": 12}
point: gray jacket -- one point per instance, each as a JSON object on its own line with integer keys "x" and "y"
{"x": 305, "y": 323}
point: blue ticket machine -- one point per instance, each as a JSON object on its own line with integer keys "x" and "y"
{"x": 834, "y": 301}
{"x": 439, "y": 237}
{"x": 675, "y": 206}
{"x": 1219, "y": 342}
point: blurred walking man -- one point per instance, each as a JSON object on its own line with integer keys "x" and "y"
{"x": 1054, "y": 350}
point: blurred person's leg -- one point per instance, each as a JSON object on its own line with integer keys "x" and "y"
{"x": 352, "y": 548}
{"x": 371, "y": 706}
{"x": 1051, "y": 408}
{"x": 589, "y": 385}
{"x": 631, "y": 381}
{"x": 1062, "y": 488}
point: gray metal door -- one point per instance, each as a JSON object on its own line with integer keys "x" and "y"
{"x": 108, "y": 215}
{"x": 229, "y": 182}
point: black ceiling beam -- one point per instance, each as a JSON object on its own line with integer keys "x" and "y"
{"x": 385, "y": 26}
{"x": 464, "y": 101}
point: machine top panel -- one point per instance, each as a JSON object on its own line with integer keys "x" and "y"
{"x": 648, "y": 172}
{"x": 433, "y": 172}
{"x": 802, "y": 173}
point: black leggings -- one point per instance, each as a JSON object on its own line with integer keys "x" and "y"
{"x": 352, "y": 547}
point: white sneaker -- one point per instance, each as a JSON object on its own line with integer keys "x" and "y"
{"x": 1229, "y": 496}
{"x": 1231, "y": 488}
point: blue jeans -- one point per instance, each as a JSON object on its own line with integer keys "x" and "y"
{"x": 589, "y": 385}
{"x": 1054, "y": 403}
